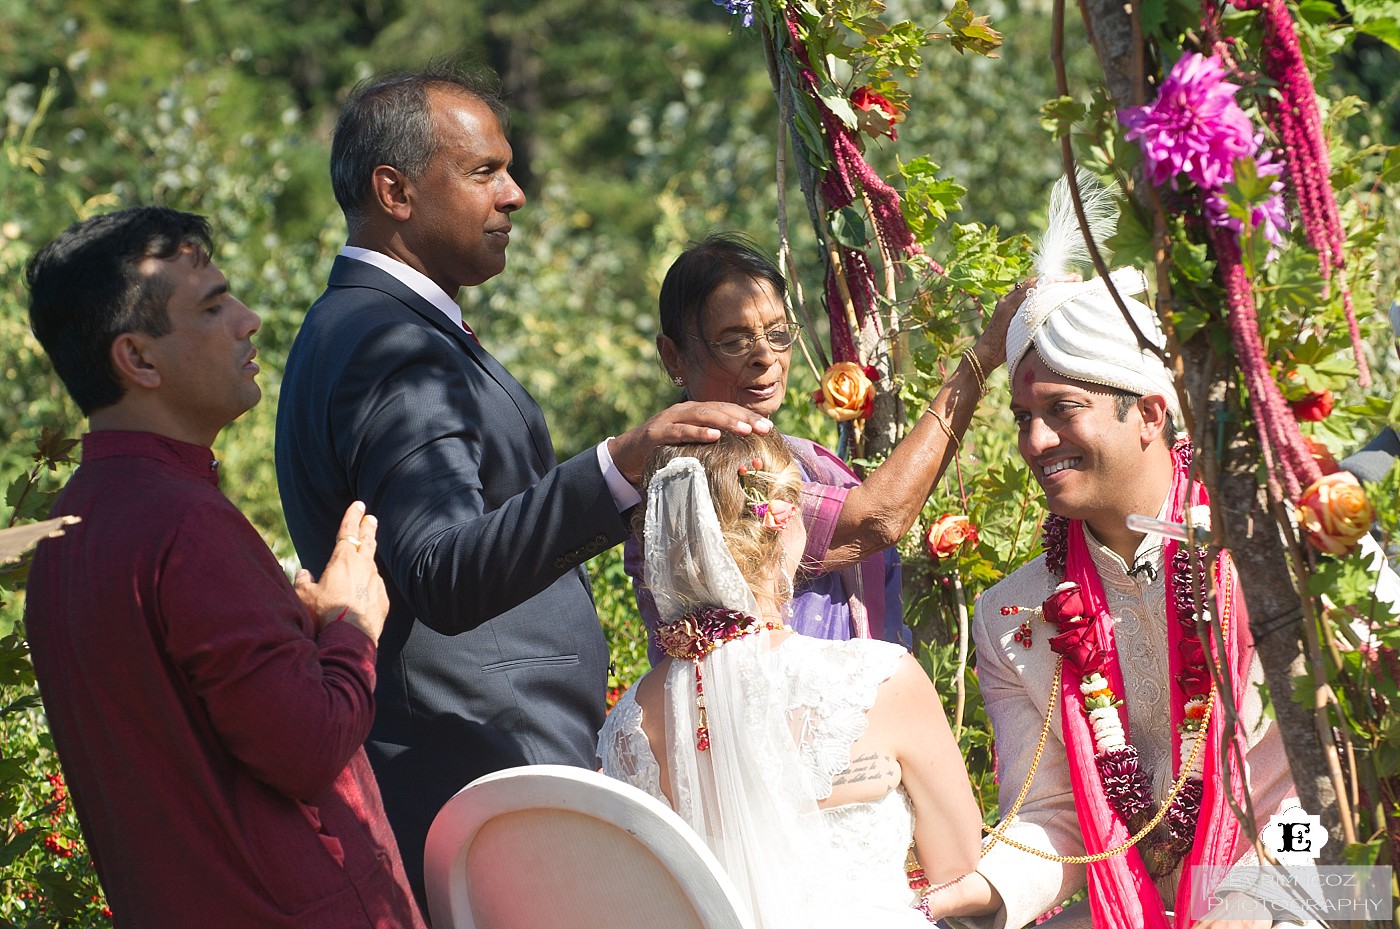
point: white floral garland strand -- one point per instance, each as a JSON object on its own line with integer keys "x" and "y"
{"x": 1105, "y": 718}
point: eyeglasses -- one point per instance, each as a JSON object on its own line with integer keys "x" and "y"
{"x": 779, "y": 338}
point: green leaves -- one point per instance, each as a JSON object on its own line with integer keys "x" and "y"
{"x": 18, "y": 845}
{"x": 835, "y": 99}
{"x": 54, "y": 448}
{"x": 1317, "y": 11}
{"x": 1345, "y": 581}
{"x": 1132, "y": 243}
{"x": 1059, "y": 116}
{"x": 898, "y": 48}
{"x": 15, "y": 669}
{"x": 1247, "y": 188}
{"x": 1390, "y": 171}
{"x": 1379, "y": 409}
{"x": 928, "y": 198}
{"x": 848, "y": 227}
{"x": 970, "y": 32}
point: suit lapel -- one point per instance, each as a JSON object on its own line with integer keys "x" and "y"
{"x": 347, "y": 272}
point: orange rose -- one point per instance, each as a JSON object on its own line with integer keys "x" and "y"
{"x": 1321, "y": 454}
{"x": 1335, "y": 513}
{"x": 947, "y": 534}
{"x": 776, "y": 514}
{"x": 847, "y": 392}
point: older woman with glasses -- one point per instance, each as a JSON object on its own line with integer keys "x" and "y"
{"x": 725, "y": 336}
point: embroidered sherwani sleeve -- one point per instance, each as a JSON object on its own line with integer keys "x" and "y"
{"x": 1016, "y": 690}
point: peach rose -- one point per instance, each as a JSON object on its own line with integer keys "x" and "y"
{"x": 1335, "y": 513}
{"x": 947, "y": 534}
{"x": 1321, "y": 454}
{"x": 776, "y": 514}
{"x": 847, "y": 392}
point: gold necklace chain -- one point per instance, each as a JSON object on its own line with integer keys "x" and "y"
{"x": 998, "y": 833}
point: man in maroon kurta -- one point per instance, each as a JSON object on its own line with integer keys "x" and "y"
{"x": 208, "y": 714}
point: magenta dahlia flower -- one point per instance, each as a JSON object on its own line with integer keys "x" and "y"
{"x": 1268, "y": 216}
{"x": 1194, "y": 127}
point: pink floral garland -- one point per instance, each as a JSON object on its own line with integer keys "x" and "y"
{"x": 1121, "y": 891}
{"x": 698, "y": 633}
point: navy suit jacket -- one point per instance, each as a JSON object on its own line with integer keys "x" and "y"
{"x": 492, "y": 655}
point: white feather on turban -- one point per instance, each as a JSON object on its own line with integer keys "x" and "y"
{"x": 1075, "y": 326}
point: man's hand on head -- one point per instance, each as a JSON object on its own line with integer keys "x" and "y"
{"x": 682, "y": 424}
{"x": 350, "y": 589}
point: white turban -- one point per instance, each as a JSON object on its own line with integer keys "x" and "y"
{"x": 1079, "y": 332}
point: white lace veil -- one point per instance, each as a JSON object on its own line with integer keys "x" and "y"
{"x": 748, "y": 795}
{"x": 688, "y": 564}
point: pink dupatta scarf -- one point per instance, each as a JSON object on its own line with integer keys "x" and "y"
{"x": 1121, "y": 892}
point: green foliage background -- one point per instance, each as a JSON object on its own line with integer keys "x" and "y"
{"x": 637, "y": 126}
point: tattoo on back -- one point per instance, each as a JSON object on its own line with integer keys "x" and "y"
{"x": 866, "y": 768}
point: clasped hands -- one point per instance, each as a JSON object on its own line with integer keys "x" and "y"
{"x": 350, "y": 588}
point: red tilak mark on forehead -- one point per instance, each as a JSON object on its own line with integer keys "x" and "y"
{"x": 1028, "y": 378}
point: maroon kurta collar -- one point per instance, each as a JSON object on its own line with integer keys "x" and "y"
{"x": 198, "y": 460}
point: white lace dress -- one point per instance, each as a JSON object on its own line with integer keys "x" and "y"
{"x": 826, "y": 687}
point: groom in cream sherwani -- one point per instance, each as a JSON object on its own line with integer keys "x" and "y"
{"x": 1097, "y": 416}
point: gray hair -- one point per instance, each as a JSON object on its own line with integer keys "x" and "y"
{"x": 387, "y": 120}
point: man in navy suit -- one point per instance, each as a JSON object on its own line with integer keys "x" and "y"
{"x": 492, "y": 655}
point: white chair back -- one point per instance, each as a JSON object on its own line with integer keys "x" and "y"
{"x": 556, "y": 847}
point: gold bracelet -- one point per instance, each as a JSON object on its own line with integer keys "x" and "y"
{"x": 947, "y": 427}
{"x": 978, "y": 374}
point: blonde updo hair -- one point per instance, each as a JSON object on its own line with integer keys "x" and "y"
{"x": 757, "y": 551}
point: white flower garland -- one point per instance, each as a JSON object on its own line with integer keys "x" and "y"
{"x": 1106, "y": 720}
{"x": 1102, "y": 706}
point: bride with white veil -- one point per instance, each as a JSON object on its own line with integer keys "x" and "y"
{"x": 808, "y": 766}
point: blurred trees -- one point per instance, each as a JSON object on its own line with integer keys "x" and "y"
{"x": 636, "y": 128}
